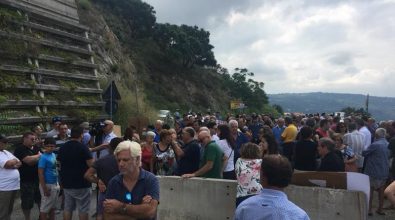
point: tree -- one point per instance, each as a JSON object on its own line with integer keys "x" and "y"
{"x": 129, "y": 18}
{"x": 278, "y": 108}
{"x": 351, "y": 111}
{"x": 188, "y": 45}
{"x": 243, "y": 87}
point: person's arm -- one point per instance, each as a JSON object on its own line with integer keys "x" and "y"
{"x": 99, "y": 148}
{"x": 31, "y": 160}
{"x": 153, "y": 160}
{"x": 12, "y": 164}
{"x": 89, "y": 162}
{"x": 177, "y": 150}
{"x": 204, "y": 169}
{"x": 119, "y": 210}
{"x": 90, "y": 175}
{"x": 41, "y": 180}
{"x": 284, "y": 134}
{"x": 369, "y": 150}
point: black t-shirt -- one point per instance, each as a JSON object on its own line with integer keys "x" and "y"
{"x": 107, "y": 168}
{"x": 305, "y": 155}
{"x": 28, "y": 173}
{"x": 189, "y": 163}
{"x": 332, "y": 162}
{"x": 72, "y": 157}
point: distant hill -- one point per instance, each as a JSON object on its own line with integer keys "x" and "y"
{"x": 382, "y": 108}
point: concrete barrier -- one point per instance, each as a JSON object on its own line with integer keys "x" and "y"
{"x": 204, "y": 199}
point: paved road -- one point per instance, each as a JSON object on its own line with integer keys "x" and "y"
{"x": 17, "y": 214}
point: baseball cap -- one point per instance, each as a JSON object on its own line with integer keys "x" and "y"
{"x": 56, "y": 119}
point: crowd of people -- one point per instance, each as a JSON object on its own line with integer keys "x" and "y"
{"x": 56, "y": 170}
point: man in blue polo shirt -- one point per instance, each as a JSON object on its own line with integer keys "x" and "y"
{"x": 272, "y": 202}
{"x": 134, "y": 193}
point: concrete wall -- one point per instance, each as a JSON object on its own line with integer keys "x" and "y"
{"x": 205, "y": 199}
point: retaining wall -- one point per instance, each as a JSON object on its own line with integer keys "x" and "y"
{"x": 204, "y": 199}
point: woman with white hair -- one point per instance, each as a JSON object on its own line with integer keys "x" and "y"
{"x": 147, "y": 149}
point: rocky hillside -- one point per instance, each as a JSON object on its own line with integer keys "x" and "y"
{"x": 151, "y": 71}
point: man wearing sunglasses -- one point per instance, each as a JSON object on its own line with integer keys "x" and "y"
{"x": 134, "y": 193}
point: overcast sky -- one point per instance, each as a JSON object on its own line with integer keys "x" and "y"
{"x": 298, "y": 46}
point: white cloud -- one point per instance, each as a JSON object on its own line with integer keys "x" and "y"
{"x": 299, "y": 46}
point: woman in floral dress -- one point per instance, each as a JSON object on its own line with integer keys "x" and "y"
{"x": 247, "y": 169}
{"x": 163, "y": 155}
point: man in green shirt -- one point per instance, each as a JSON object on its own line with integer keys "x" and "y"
{"x": 211, "y": 166}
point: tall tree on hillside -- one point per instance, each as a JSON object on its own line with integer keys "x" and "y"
{"x": 243, "y": 87}
{"x": 188, "y": 45}
{"x": 129, "y": 19}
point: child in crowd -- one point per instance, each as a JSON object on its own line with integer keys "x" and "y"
{"x": 48, "y": 177}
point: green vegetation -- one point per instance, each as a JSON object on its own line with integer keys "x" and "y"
{"x": 84, "y": 4}
{"x": 176, "y": 66}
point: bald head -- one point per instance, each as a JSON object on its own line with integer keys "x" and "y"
{"x": 204, "y": 137}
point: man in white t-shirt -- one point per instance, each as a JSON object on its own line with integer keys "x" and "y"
{"x": 9, "y": 179}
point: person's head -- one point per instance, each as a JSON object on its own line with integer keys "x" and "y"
{"x": 341, "y": 128}
{"x": 360, "y": 122}
{"x": 28, "y": 139}
{"x": 49, "y": 145}
{"x": 233, "y": 125}
{"x": 128, "y": 155}
{"x": 204, "y": 137}
{"x": 212, "y": 125}
{"x": 306, "y": 132}
{"x": 114, "y": 143}
{"x": 77, "y": 133}
{"x": 280, "y": 122}
{"x": 250, "y": 151}
{"x": 203, "y": 128}
{"x": 85, "y": 126}
{"x": 3, "y": 142}
{"x": 56, "y": 121}
{"x": 188, "y": 133}
{"x": 128, "y": 134}
{"x": 165, "y": 137}
{"x": 173, "y": 134}
{"x": 324, "y": 124}
{"x": 352, "y": 126}
{"x": 196, "y": 125}
{"x": 276, "y": 172}
{"x": 287, "y": 120}
{"x": 158, "y": 125}
{"x": 63, "y": 128}
{"x": 150, "y": 136}
{"x": 38, "y": 130}
{"x": 325, "y": 145}
{"x": 338, "y": 139}
{"x": 224, "y": 133}
{"x": 310, "y": 122}
{"x": 380, "y": 133}
{"x": 108, "y": 126}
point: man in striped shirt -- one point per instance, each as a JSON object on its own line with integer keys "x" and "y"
{"x": 355, "y": 140}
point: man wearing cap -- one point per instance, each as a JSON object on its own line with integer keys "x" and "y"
{"x": 108, "y": 135}
{"x": 28, "y": 153}
{"x": 134, "y": 193}
{"x": 9, "y": 179}
{"x": 56, "y": 121}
